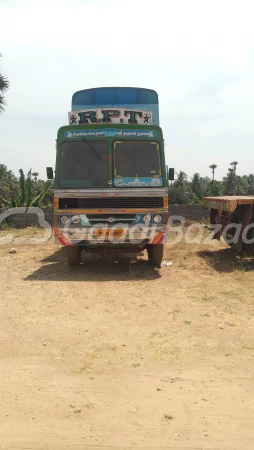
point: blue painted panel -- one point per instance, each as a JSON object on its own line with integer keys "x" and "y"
{"x": 127, "y": 96}
{"x": 113, "y": 97}
{"x": 104, "y": 95}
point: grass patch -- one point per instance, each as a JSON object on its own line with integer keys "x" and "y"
{"x": 248, "y": 347}
{"x": 207, "y": 298}
{"x": 135, "y": 365}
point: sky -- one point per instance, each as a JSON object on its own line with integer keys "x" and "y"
{"x": 197, "y": 54}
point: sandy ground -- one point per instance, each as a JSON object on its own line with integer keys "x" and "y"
{"x": 122, "y": 356}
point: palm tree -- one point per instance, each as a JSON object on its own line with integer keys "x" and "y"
{"x": 231, "y": 180}
{"x": 196, "y": 187}
{"x": 181, "y": 179}
{"x": 250, "y": 181}
{"x": 4, "y": 85}
{"x": 196, "y": 180}
{"x": 234, "y": 164}
{"x": 8, "y": 183}
{"x": 213, "y": 167}
{"x": 232, "y": 177}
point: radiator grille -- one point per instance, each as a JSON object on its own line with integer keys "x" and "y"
{"x": 108, "y": 218}
{"x": 111, "y": 202}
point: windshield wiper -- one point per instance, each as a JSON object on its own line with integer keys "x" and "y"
{"x": 94, "y": 152}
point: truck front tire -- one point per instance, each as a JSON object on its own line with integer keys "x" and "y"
{"x": 73, "y": 255}
{"x": 155, "y": 254}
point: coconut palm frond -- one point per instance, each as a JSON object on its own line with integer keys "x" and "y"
{"x": 42, "y": 193}
{"x": 2, "y": 102}
{"x": 4, "y": 202}
{"x": 4, "y": 84}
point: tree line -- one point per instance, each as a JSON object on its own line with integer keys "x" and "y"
{"x": 29, "y": 190}
{"x": 25, "y": 190}
{"x": 192, "y": 190}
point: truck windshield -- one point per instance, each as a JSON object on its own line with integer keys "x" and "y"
{"x": 83, "y": 164}
{"x": 137, "y": 163}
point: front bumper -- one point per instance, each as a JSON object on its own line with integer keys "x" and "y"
{"x": 136, "y": 234}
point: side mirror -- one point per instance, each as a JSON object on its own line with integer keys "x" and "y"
{"x": 50, "y": 174}
{"x": 171, "y": 174}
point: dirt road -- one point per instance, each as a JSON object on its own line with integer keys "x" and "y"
{"x": 123, "y": 356}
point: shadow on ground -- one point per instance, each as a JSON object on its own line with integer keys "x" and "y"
{"x": 57, "y": 256}
{"x": 226, "y": 260}
{"x": 94, "y": 268}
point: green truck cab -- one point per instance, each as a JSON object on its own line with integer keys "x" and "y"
{"x": 111, "y": 185}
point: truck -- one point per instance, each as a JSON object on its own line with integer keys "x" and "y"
{"x": 232, "y": 217}
{"x": 110, "y": 181}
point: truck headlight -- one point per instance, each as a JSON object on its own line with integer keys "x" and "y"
{"x": 157, "y": 218}
{"x": 147, "y": 218}
{"x": 75, "y": 219}
{"x": 64, "y": 219}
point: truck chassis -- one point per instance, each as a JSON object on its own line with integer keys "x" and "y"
{"x": 233, "y": 218}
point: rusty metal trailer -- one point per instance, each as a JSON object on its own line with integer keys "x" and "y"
{"x": 232, "y": 217}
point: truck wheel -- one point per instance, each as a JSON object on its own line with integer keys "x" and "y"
{"x": 155, "y": 254}
{"x": 73, "y": 255}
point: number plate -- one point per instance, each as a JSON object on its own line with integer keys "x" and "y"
{"x": 106, "y": 233}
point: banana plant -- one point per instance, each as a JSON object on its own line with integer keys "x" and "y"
{"x": 26, "y": 188}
